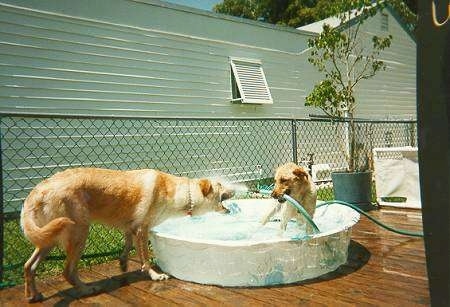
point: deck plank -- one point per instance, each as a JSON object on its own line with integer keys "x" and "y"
{"x": 383, "y": 268}
{"x": 269, "y": 296}
{"x": 311, "y": 296}
{"x": 67, "y": 294}
{"x": 218, "y": 294}
{"x": 362, "y": 288}
{"x": 122, "y": 289}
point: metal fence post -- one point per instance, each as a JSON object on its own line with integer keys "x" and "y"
{"x": 294, "y": 141}
{"x": 412, "y": 134}
{"x": 2, "y": 216}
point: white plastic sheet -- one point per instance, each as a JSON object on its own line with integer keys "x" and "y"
{"x": 397, "y": 175}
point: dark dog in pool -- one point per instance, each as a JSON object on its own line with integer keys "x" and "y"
{"x": 295, "y": 181}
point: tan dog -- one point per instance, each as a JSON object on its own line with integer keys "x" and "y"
{"x": 294, "y": 181}
{"x": 58, "y": 211}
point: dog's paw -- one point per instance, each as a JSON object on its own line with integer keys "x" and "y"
{"x": 157, "y": 276}
{"x": 38, "y": 297}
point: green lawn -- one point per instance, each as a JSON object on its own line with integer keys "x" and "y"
{"x": 103, "y": 244}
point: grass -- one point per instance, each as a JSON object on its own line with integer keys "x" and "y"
{"x": 104, "y": 244}
{"x": 325, "y": 194}
{"x": 396, "y": 199}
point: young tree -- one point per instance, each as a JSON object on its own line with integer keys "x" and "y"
{"x": 345, "y": 60}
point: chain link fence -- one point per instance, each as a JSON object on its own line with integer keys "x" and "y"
{"x": 236, "y": 150}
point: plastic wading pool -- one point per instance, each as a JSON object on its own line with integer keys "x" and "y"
{"x": 236, "y": 250}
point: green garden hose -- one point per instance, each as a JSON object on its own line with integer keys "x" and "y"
{"x": 398, "y": 231}
{"x": 308, "y": 218}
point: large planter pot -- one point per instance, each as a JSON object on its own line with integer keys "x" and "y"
{"x": 353, "y": 188}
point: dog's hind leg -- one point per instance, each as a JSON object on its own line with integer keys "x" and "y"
{"x": 144, "y": 256}
{"x": 123, "y": 259}
{"x": 74, "y": 246}
{"x": 30, "y": 267}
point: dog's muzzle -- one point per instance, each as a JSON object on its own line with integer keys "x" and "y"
{"x": 280, "y": 197}
{"x": 226, "y": 195}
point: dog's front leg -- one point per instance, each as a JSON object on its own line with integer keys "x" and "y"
{"x": 287, "y": 214}
{"x": 270, "y": 213}
{"x": 142, "y": 250}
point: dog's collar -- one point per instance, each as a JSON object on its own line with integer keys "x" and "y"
{"x": 190, "y": 205}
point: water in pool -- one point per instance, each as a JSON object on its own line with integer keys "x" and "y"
{"x": 240, "y": 225}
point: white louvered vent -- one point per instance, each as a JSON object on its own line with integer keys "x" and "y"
{"x": 249, "y": 82}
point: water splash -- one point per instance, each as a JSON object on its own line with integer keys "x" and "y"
{"x": 239, "y": 189}
{"x": 233, "y": 208}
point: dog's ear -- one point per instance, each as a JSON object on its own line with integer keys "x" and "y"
{"x": 205, "y": 186}
{"x": 300, "y": 173}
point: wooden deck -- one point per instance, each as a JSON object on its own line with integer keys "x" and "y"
{"x": 383, "y": 269}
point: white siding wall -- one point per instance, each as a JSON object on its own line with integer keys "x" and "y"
{"x": 121, "y": 57}
{"x": 391, "y": 93}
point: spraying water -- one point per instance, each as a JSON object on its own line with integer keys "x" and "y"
{"x": 239, "y": 189}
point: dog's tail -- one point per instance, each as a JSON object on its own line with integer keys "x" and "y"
{"x": 46, "y": 235}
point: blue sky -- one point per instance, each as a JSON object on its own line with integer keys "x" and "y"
{"x": 199, "y": 4}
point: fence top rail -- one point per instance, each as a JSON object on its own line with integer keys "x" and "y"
{"x": 359, "y": 120}
{"x": 112, "y": 117}
{"x": 116, "y": 116}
